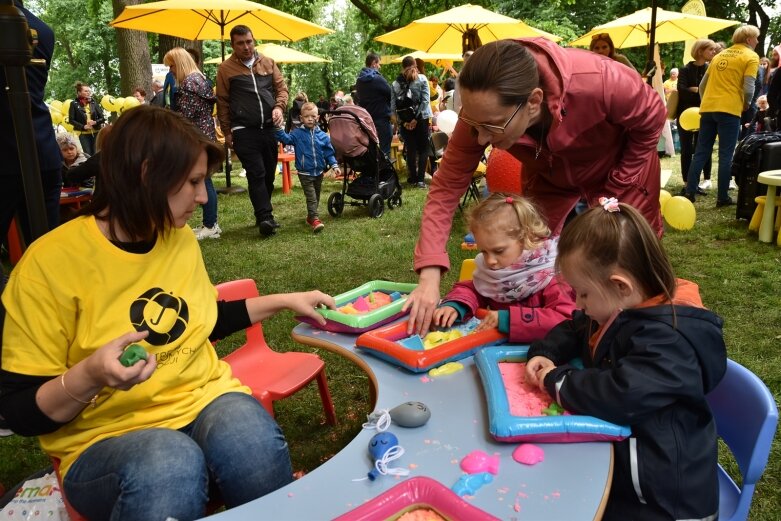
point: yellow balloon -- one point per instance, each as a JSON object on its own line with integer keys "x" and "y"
{"x": 66, "y": 107}
{"x": 446, "y": 64}
{"x": 114, "y": 104}
{"x": 690, "y": 119}
{"x": 56, "y": 116}
{"x": 679, "y": 213}
{"x": 664, "y": 196}
{"x": 67, "y": 124}
{"x": 130, "y": 102}
{"x": 105, "y": 102}
{"x": 56, "y": 105}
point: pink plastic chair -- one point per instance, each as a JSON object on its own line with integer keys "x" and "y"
{"x": 272, "y": 375}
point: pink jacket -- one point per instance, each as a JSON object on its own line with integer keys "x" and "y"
{"x": 531, "y": 318}
{"x": 602, "y": 142}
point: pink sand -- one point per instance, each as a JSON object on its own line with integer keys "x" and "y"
{"x": 525, "y": 399}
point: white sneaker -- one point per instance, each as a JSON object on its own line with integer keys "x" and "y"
{"x": 202, "y": 232}
{"x": 732, "y": 185}
{"x": 706, "y": 185}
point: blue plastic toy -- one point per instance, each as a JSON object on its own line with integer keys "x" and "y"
{"x": 384, "y": 447}
{"x": 469, "y": 484}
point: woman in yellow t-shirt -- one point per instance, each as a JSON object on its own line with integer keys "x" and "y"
{"x": 150, "y": 440}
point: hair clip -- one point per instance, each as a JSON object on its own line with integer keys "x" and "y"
{"x": 509, "y": 200}
{"x": 609, "y": 204}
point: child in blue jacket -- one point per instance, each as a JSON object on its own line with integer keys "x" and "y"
{"x": 314, "y": 155}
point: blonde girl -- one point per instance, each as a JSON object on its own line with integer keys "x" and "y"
{"x": 651, "y": 353}
{"x": 514, "y": 273}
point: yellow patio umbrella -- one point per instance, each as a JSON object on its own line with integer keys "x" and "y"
{"x": 635, "y": 30}
{"x": 430, "y": 57}
{"x": 213, "y": 19}
{"x": 282, "y": 54}
{"x": 460, "y": 29}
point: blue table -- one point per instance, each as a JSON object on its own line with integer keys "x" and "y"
{"x": 571, "y": 484}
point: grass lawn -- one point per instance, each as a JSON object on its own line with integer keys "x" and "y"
{"x": 738, "y": 278}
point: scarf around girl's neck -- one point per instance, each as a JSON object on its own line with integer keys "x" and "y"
{"x": 531, "y": 273}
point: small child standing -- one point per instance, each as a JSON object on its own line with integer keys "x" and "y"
{"x": 314, "y": 155}
{"x": 757, "y": 124}
{"x": 651, "y": 353}
{"x": 71, "y": 156}
{"x": 514, "y": 273}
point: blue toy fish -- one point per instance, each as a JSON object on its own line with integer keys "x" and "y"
{"x": 468, "y": 484}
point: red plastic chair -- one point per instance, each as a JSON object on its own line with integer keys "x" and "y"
{"x": 272, "y": 375}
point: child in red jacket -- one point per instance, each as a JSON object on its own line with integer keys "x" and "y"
{"x": 514, "y": 273}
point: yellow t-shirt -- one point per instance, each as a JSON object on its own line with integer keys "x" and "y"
{"x": 724, "y": 89}
{"x": 74, "y": 291}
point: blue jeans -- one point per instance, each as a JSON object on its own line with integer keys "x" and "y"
{"x": 727, "y": 127}
{"x": 234, "y": 446}
{"x": 210, "y": 208}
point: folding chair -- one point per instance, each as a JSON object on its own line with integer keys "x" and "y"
{"x": 746, "y": 417}
{"x": 269, "y": 374}
{"x": 473, "y": 192}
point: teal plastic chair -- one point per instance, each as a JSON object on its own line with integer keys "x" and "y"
{"x": 746, "y": 417}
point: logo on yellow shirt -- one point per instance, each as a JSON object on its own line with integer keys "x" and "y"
{"x": 164, "y": 315}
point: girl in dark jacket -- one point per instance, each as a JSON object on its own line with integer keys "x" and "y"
{"x": 86, "y": 116}
{"x": 651, "y": 353}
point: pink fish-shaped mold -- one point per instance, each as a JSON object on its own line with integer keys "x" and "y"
{"x": 478, "y": 461}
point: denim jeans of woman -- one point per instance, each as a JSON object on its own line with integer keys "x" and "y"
{"x": 234, "y": 447}
{"x": 210, "y": 208}
{"x": 727, "y": 127}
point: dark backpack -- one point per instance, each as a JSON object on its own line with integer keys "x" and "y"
{"x": 406, "y": 103}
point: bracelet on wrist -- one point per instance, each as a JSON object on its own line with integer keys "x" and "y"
{"x": 92, "y": 401}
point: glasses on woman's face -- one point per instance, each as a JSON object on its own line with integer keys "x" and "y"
{"x": 493, "y": 129}
{"x": 600, "y": 36}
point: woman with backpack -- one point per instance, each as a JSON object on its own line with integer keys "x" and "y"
{"x": 411, "y": 107}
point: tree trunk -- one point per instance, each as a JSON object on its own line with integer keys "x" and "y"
{"x": 166, "y": 43}
{"x": 135, "y": 66}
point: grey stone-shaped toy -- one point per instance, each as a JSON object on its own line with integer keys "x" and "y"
{"x": 410, "y": 414}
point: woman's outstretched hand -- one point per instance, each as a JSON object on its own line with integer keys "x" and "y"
{"x": 423, "y": 301}
{"x": 305, "y": 304}
{"x": 104, "y": 367}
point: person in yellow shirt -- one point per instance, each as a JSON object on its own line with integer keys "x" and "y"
{"x": 726, "y": 91}
{"x": 148, "y": 440}
{"x": 671, "y": 84}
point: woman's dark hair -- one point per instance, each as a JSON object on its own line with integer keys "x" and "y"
{"x": 603, "y": 37}
{"x": 80, "y": 85}
{"x": 147, "y": 156}
{"x": 601, "y": 241}
{"x": 450, "y": 84}
{"x": 505, "y": 67}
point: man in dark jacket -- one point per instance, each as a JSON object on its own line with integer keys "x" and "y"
{"x": 49, "y": 158}
{"x": 374, "y": 94}
{"x": 251, "y": 102}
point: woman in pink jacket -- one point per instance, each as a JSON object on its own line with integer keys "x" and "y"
{"x": 583, "y": 127}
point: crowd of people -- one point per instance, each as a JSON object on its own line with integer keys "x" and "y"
{"x": 596, "y": 286}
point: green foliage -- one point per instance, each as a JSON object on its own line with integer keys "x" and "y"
{"x": 85, "y": 49}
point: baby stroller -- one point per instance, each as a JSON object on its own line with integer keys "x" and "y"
{"x": 354, "y": 138}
